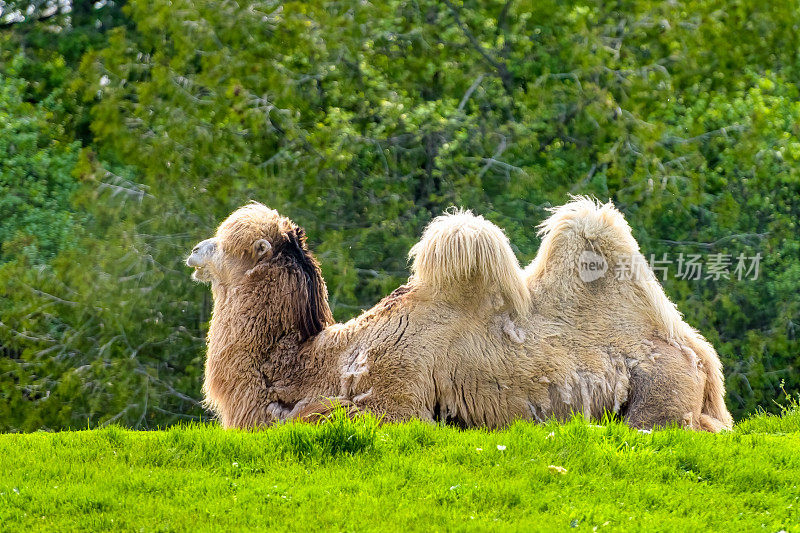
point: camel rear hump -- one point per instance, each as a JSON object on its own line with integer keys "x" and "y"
{"x": 588, "y": 248}
{"x": 589, "y": 245}
{"x": 461, "y": 250}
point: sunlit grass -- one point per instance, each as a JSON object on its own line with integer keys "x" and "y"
{"x": 354, "y": 474}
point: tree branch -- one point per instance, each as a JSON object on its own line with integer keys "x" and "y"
{"x": 502, "y": 69}
{"x": 469, "y": 92}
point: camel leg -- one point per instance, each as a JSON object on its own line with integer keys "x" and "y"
{"x": 388, "y": 411}
{"x": 395, "y": 409}
{"x": 711, "y": 424}
{"x": 667, "y": 388}
{"x": 320, "y": 409}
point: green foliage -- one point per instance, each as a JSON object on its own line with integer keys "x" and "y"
{"x": 411, "y": 476}
{"x": 59, "y": 367}
{"x": 35, "y": 174}
{"x": 361, "y": 121}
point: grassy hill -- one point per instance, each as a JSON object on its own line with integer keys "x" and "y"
{"x": 356, "y": 475}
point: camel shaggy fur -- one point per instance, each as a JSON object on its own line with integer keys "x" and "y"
{"x": 471, "y": 339}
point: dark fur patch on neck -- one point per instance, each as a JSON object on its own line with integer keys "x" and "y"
{"x": 314, "y": 313}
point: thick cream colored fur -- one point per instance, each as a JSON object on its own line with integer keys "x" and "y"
{"x": 472, "y": 339}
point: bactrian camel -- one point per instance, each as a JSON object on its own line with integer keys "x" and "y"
{"x": 472, "y": 339}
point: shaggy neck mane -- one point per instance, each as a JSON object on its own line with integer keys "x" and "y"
{"x": 310, "y": 302}
{"x": 260, "y": 326}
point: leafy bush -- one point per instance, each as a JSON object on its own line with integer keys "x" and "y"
{"x": 361, "y": 122}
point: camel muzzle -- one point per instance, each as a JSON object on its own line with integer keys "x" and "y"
{"x": 202, "y": 253}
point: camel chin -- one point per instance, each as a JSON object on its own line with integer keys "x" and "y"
{"x": 201, "y": 275}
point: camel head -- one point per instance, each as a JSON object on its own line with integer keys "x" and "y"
{"x": 257, "y": 245}
{"x": 243, "y": 240}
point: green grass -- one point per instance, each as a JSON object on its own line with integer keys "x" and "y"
{"x": 355, "y": 475}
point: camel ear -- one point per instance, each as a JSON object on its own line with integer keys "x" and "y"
{"x": 261, "y": 247}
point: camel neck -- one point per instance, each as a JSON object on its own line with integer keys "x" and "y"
{"x": 256, "y": 348}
